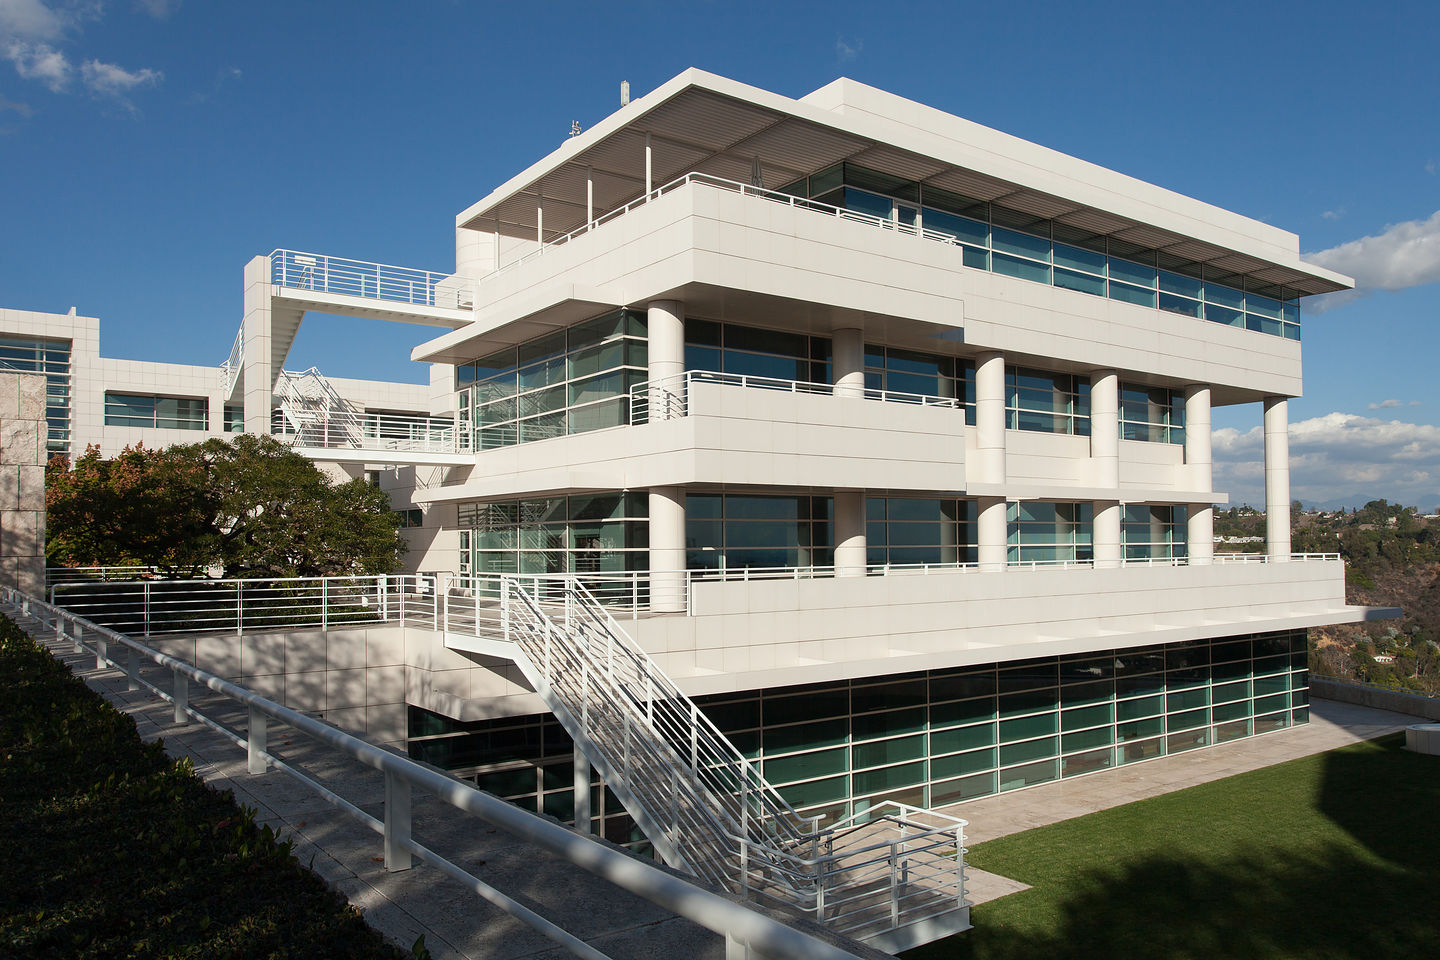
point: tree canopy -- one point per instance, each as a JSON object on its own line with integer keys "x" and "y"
{"x": 249, "y": 506}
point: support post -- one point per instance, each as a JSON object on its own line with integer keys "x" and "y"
{"x": 847, "y": 357}
{"x": 102, "y": 651}
{"x": 1106, "y": 534}
{"x": 255, "y": 745}
{"x": 134, "y": 671}
{"x": 991, "y": 531}
{"x": 1277, "y": 479}
{"x": 990, "y": 418}
{"x": 397, "y": 823}
{"x": 182, "y": 698}
{"x": 667, "y": 549}
{"x": 649, "y": 168}
{"x": 1105, "y": 428}
{"x": 582, "y": 791}
{"x": 850, "y": 543}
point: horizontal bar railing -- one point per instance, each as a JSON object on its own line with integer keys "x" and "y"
{"x": 383, "y": 432}
{"x": 733, "y": 921}
{"x": 373, "y": 281}
{"x": 669, "y": 397}
{"x": 744, "y": 189}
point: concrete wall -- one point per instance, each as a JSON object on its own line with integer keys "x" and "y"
{"x": 22, "y": 481}
{"x": 1417, "y": 705}
{"x": 354, "y": 678}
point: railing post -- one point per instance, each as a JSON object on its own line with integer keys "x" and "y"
{"x": 255, "y": 742}
{"x": 324, "y": 603}
{"x": 894, "y": 890}
{"x": 239, "y": 608}
{"x": 134, "y": 671}
{"x": 147, "y": 608}
{"x": 397, "y": 823}
{"x": 182, "y": 698}
{"x": 101, "y": 647}
{"x": 382, "y": 598}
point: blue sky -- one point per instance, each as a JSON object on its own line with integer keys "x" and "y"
{"x": 148, "y": 148}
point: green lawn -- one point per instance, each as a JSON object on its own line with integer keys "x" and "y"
{"x": 1335, "y": 855}
{"x": 112, "y": 849}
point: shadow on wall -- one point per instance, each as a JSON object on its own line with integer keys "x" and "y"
{"x": 1331, "y": 856}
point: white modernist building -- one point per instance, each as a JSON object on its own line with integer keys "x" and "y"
{"x": 881, "y": 435}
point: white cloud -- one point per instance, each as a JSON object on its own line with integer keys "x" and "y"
{"x": 1404, "y": 255}
{"x": 21, "y": 108}
{"x": 1385, "y": 405}
{"x": 846, "y": 51}
{"x": 159, "y": 9}
{"x": 110, "y": 80}
{"x": 1333, "y": 214}
{"x": 40, "y": 61}
{"x": 1340, "y": 456}
{"x": 30, "y": 20}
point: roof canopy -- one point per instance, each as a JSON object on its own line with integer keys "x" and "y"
{"x": 701, "y": 123}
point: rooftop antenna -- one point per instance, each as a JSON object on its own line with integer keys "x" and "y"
{"x": 624, "y": 93}
{"x": 574, "y": 128}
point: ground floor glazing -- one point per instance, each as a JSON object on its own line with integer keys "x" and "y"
{"x": 931, "y": 738}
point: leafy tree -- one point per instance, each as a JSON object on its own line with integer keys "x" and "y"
{"x": 143, "y": 507}
{"x": 250, "y": 506}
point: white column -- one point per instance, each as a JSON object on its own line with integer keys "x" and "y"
{"x": 255, "y": 331}
{"x": 850, "y": 544}
{"x": 589, "y": 195}
{"x": 1200, "y": 533}
{"x": 847, "y": 362}
{"x": 990, "y": 530}
{"x": 1197, "y": 437}
{"x": 1277, "y": 478}
{"x": 665, "y": 320}
{"x": 1105, "y": 535}
{"x": 989, "y": 419}
{"x": 1105, "y": 427}
{"x": 540, "y": 222}
{"x": 649, "y": 168}
{"x": 667, "y": 549}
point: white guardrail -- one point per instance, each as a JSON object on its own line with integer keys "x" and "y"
{"x": 373, "y": 281}
{"x": 669, "y": 398}
{"x": 381, "y": 432}
{"x": 740, "y": 925}
{"x": 124, "y": 599}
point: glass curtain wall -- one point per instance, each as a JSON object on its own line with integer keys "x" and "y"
{"x": 913, "y": 530}
{"x": 602, "y": 533}
{"x": 1048, "y": 533}
{"x": 753, "y": 352}
{"x": 1154, "y": 531}
{"x": 1155, "y": 414}
{"x": 727, "y": 531}
{"x": 570, "y": 381}
{"x": 52, "y": 359}
{"x": 932, "y": 738}
{"x": 1047, "y": 402}
{"x": 908, "y": 371}
{"x": 1013, "y": 243}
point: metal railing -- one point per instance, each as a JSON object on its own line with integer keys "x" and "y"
{"x": 669, "y": 397}
{"x": 373, "y": 281}
{"x": 230, "y": 369}
{"x": 703, "y": 805}
{"x": 745, "y": 189}
{"x": 383, "y": 431}
{"x": 54, "y": 575}
{"x": 112, "y": 649}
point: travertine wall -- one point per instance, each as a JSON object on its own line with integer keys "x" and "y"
{"x": 22, "y": 481}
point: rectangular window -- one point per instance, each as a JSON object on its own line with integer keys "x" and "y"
{"x": 1047, "y": 402}
{"x": 1155, "y": 414}
{"x": 52, "y": 359}
{"x": 169, "y": 413}
{"x": 1049, "y": 533}
{"x": 1154, "y": 531}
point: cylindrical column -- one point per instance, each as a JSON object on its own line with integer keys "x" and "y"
{"x": 649, "y": 168}
{"x": 850, "y": 544}
{"x": 1105, "y": 431}
{"x": 1200, "y": 533}
{"x": 989, "y": 419}
{"x": 665, "y": 320}
{"x": 589, "y": 195}
{"x": 990, "y": 529}
{"x": 847, "y": 362}
{"x": 1106, "y": 533}
{"x": 1197, "y": 437}
{"x": 1277, "y": 478}
{"x": 667, "y": 549}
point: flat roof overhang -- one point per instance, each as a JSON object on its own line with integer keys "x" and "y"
{"x": 699, "y": 122}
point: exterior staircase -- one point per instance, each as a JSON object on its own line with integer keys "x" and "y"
{"x": 892, "y": 876}
{"x": 316, "y": 413}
